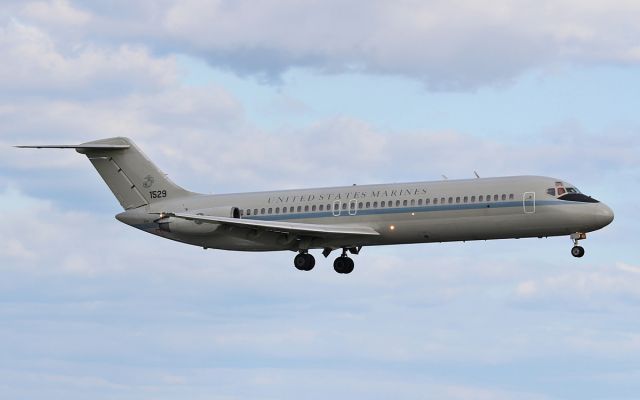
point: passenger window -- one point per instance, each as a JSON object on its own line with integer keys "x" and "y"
{"x": 270, "y": 210}
{"x": 435, "y": 200}
{"x": 404, "y": 203}
{"x": 488, "y": 197}
{"x": 495, "y": 197}
{"x": 329, "y": 207}
{"x": 336, "y": 206}
{"x": 321, "y": 207}
{"x": 313, "y": 207}
{"x": 344, "y": 206}
{"x": 466, "y": 199}
{"x": 397, "y": 203}
{"x": 426, "y": 201}
{"x": 419, "y": 202}
{"x": 473, "y": 199}
{"x": 299, "y": 208}
{"x": 277, "y": 210}
{"x": 360, "y": 205}
{"x": 375, "y": 204}
{"x": 457, "y": 200}
{"x": 306, "y": 208}
{"x": 413, "y": 202}
{"x": 450, "y": 200}
{"x": 368, "y": 205}
{"x": 504, "y": 197}
{"x": 442, "y": 200}
{"x": 511, "y": 197}
{"x": 248, "y": 211}
{"x": 255, "y": 211}
{"x": 381, "y": 204}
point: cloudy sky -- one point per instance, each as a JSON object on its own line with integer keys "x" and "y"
{"x": 230, "y": 96}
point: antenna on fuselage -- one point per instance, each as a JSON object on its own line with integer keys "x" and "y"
{"x": 445, "y": 177}
{"x": 476, "y": 174}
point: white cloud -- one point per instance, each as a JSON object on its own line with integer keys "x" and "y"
{"x": 34, "y": 61}
{"x": 60, "y": 13}
{"x": 448, "y": 45}
{"x": 584, "y": 288}
{"x": 459, "y": 44}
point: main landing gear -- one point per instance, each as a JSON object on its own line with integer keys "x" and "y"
{"x": 342, "y": 265}
{"x": 576, "y": 250}
{"x": 304, "y": 262}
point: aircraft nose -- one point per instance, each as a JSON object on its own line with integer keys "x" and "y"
{"x": 604, "y": 215}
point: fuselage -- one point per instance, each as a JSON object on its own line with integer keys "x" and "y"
{"x": 417, "y": 212}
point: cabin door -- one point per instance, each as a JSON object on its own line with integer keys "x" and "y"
{"x": 529, "y": 202}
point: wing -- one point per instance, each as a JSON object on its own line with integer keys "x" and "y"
{"x": 317, "y": 230}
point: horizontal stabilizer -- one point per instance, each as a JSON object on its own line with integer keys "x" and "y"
{"x": 281, "y": 226}
{"x": 78, "y": 146}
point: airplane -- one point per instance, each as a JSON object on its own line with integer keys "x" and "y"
{"x": 341, "y": 218}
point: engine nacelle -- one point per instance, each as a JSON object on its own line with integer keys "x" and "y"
{"x": 198, "y": 228}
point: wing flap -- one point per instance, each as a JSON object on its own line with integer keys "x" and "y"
{"x": 280, "y": 226}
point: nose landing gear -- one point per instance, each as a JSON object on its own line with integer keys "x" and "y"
{"x": 576, "y": 250}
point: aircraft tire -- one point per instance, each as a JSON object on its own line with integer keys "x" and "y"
{"x": 311, "y": 262}
{"x": 343, "y": 265}
{"x": 304, "y": 262}
{"x": 577, "y": 251}
{"x": 349, "y": 265}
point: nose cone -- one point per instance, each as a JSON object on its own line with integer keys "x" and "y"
{"x": 604, "y": 215}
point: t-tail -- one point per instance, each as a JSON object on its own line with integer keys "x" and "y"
{"x": 131, "y": 176}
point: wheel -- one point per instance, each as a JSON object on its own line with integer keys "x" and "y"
{"x": 304, "y": 262}
{"x": 338, "y": 264}
{"x": 311, "y": 262}
{"x": 343, "y": 265}
{"x": 577, "y": 251}
{"x": 348, "y": 265}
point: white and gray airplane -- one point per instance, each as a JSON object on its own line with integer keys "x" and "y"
{"x": 341, "y": 218}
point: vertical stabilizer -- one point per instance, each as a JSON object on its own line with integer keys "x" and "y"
{"x": 131, "y": 176}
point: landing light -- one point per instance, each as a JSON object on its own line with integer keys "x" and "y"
{"x": 392, "y": 227}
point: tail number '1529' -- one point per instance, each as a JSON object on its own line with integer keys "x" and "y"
{"x": 157, "y": 194}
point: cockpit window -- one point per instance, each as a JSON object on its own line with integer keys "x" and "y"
{"x": 564, "y": 191}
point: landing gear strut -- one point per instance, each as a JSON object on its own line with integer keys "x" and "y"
{"x": 304, "y": 262}
{"x": 343, "y": 264}
{"x": 576, "y": 250}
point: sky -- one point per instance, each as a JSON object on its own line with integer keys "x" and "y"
{"x": 232, "y": 96}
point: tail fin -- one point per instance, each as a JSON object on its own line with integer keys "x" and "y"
{"x": 131, "y": 176}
